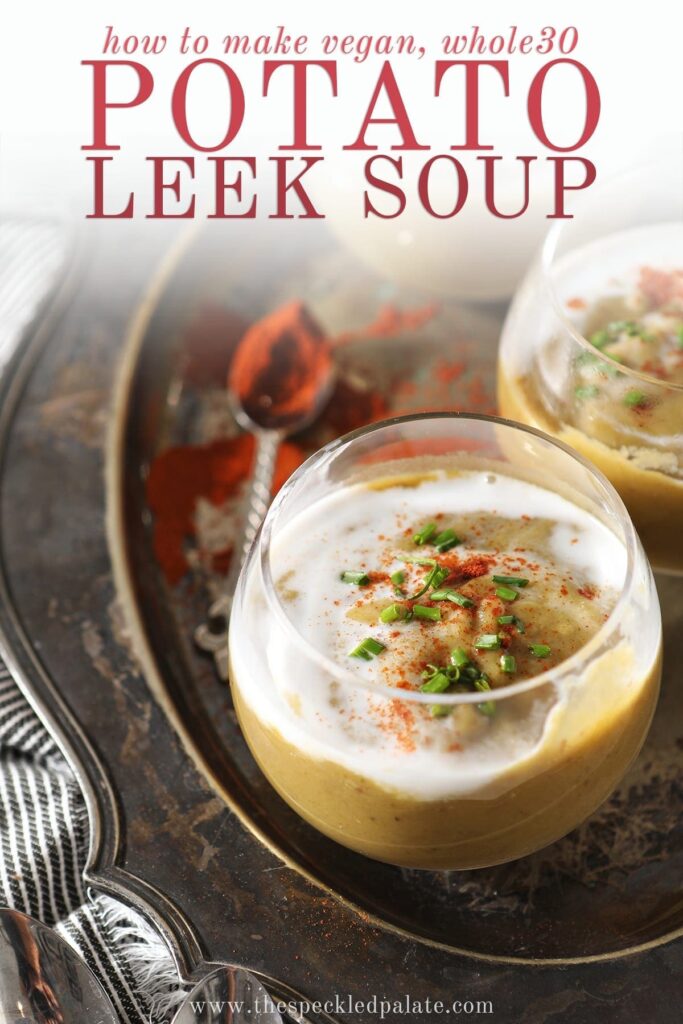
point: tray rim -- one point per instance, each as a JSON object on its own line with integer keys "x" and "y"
{"x": 114, "y": 468}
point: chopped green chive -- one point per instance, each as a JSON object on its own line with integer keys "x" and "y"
{"x": 361, "y": 579}
{"x": 613, "y": 332}
{"x": 397, "y": 578}
{"x": 420, "y": 611}
{"x": 425, "y": 534}
{"x": 629, "y": 327}
{"x": 452, "y": 595}
{"x": 433, "y": 579}
{"x": 446, "y": 540}
{"x": 507, "y": 593}
{"x": 511, "y": 581}
{"x": 609, "y": 370}
{"x": 438, "y": 679}
{"x": 431, "y": 671}
{"x": 602, "y": 366}
{"x": 511, "y": 620}
{"x": 539, "y": 650}
{"x": 587, "y": 359}
{"x": 367, "y": 649}
{"x": 508, "y": 663}
{"x": 440, "y": 574}
{"x": 679, "y": 336}
{"x": 425, "y": 586}
{"x": 487, "y": 642}
{"x": 439, "y": 710}
{"x": 488, "y": 707}
{"x": 600, "y": 339}
{"x": 438, "y": 683}
{"x": 635, "y": 399}
{"x": 459, "y": 657}
{"x": 393, "y": 612}
{"x": 587, "y": 391}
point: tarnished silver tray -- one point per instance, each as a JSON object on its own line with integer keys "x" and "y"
{"x": 188, "y": 829}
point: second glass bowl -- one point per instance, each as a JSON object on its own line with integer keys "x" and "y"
{"x": 592, "y": 349}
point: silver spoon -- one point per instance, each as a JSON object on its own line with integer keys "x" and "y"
{"x": 228, "y": 996}
{"x": 269, "y": 432}
{"x": 43, "y": 980}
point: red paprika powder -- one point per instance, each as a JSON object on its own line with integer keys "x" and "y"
{"x": 278, "y": 367}
{"x": 180, "y": 475}
{"x": 280, "y": 358}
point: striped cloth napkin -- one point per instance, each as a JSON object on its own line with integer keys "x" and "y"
{"x": 43, "y": 819}
{"x": 43, "y": 849}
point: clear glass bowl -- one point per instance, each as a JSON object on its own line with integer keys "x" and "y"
{"x": 557, "y": 744}
{"x": 592, "y": 348}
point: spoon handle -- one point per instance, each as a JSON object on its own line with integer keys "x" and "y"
{"x": 257, "y": 501}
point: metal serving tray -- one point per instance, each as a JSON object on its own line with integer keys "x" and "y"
{"x": 185, "y": 826}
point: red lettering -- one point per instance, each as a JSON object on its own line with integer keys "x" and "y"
{"x": 145, "y": 84}
{"x": 387, "y": 83}
{"x": 423, "y": 186}
{"x": 283, "y": 187}
{"x": 222, "y": 186}
{"x": 179, "y": 105}
{"x": 490, "y": 189}
{"x": 535, "y": 104}
{"x": 472, "y": 93}
{"x": 98, "y": 213}
{"x": 561, "y": 187}
{"x": 384, "y": 186}
{"x": 300, "y": 86}
{"x": 160, "y": 187}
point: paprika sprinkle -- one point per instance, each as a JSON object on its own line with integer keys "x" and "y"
{"x": 389, "y": 322}
{"x": 179, "y": 476}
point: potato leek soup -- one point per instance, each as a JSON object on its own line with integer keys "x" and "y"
{"x": 610, "y": 381}
{"x": 408, "y": 601}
